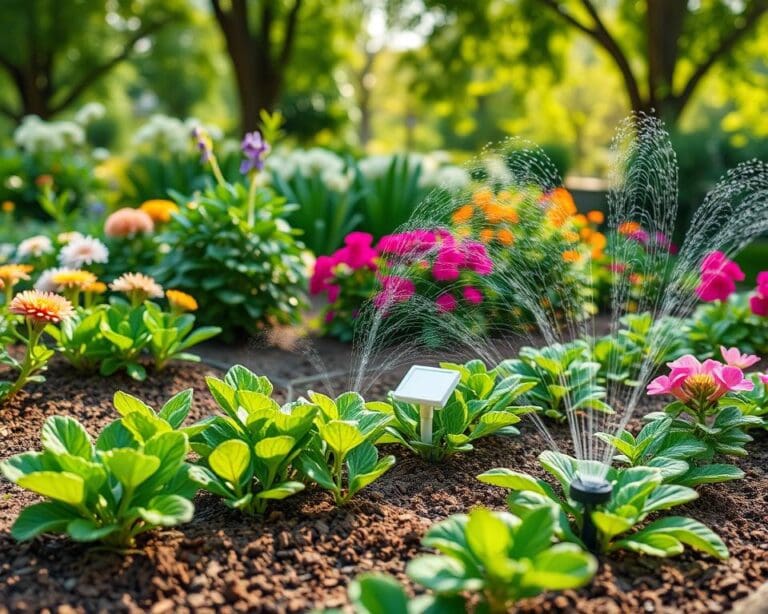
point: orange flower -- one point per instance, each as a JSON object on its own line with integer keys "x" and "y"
{"x": 11, "y": 274}
{"x": 586, "y": 232}
{"x": 580, "y": 219}
{"x": 561, "y": 206}
{"x": 463, "y": 214}
{"x": 596, "y": 217}
{"x": 73, "y": 278}
{"x": 571, "y": 255}
{"x": 43, "y": 181}
{"x": 127, "y": 222}
{"x": 159, "y": 210}
{"x": 41, "y": 308}
{"x": 486, "y": 235}
{"x": 597, "y": 240}
{"x": 505, "y": 237}
{"x": 8, "y": 206}
{"x": 629, "y": 228}
{"x": 482, "y": 198}
{"x": 496, "y": 213}
{"x": 570, "y": 236}
{"x": 181, "y": 301}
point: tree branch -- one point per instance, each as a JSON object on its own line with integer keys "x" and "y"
{"x": 290, "y": 33}
{"x": 751, "y": 17}
{"x": 98, "y": 71}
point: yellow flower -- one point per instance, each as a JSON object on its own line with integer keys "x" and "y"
{"x": 571, "y": 255}
{"x": 570, "y": 236}
{"x": 463, "y": 214}
{"x": 181, "y": 301}
{"x": 11, "y": 274}
{"x": 97, "y": 287}
{"x": 8, "y": 206}
{"x": 41, "y": 307}
{"x": 73, "y": 278}
{"x": 159, "y": 210}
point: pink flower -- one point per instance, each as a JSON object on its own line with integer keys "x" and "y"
{"x": 333, "y": 293}
{"x": 699, "y": 384}
{"x": 734, "y": 358}
{"x": 617, "y": 267}
{"x": 476, "y": 258}
{"x": 759, "y": 304}
{"x": 446, "y": 303}
{"x": 715, "y": 287}
{"x": 718, "y": 262}
{"x": 329, "y": 317}
{"x": 762, "y": 282}
{"x": 411, "y": 243}
{"x": 394, "y": 290}
{"x": 358, "y": 252}
{"x": 472, "y": 295}
{"x": 446, "y": 265}
{"x": 763, "y": 377}
{"x": 322, "y": 274}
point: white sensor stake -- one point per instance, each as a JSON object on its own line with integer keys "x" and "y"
{"x": 429, "y": 388}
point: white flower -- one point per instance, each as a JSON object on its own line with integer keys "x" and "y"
{"x": 35, "y": 135}
{"x": 374, "y": 167}
{"x": 35, "y": 247}
{"x": 45, "y": 283}
{"x": 82, "y": 251}
{"x": 66, "y": 237}
{"x": 450, "y": 178}
{"x": 90, "y": 112}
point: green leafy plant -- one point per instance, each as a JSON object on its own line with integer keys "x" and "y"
{"x": 246, "y": 455}
{"x": 377, "y": 593}
{"x": 729, "y": 323}
{"x": 637, "y": 492}
{"x": 677, "y": 454}
{"x": 346, "y": 432}
{"x": 565, "y": 378}
{"x": 481, "y": 405}
{"x": 132, "y": 480}
{"x": 754, "y": 402}
{"x": 500, "y": 557}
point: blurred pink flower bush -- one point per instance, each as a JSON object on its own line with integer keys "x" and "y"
{"x": 758, "y": 302}
{"x": 718, "y": 277}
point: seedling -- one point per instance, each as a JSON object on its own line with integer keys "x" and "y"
{"x": 429, "y": 388}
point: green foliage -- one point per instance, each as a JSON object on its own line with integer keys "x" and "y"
{"x": 637, "y": 492}
{"x": 564, "y": 375}
{"x": 481, "y": 405}
{"x": 345, "y": 437}
{"x": 500, "y": 557}
{"x": 133, "y": 479}
{"x": 753, "y": 403}
{"x": 677, "y": 454}
{"x": 376, "y": 593}
{"x": 729, "y": 324}
{"x": 640, "y": 341}
{"x": 244, "y": 276}
{"x": 36, "y": 354}
{"x": 246, "y": 455}
{"x": 115, "y": 336}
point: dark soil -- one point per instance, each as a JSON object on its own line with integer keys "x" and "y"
{"x": 306, "y": 551}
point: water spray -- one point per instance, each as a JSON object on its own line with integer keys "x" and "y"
{"x": 590, "y": 492}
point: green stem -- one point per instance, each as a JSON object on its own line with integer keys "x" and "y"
{"x": 217, "y": 171}
{"x": 252, "y": 199}
{"x": 29, "y": 365}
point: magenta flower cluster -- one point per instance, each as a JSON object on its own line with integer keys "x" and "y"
{"x": 718, "y": 277}
{"x": 691, "y": 381}
{"x": 758, "y": 302}
{"x": 435, "y": 253}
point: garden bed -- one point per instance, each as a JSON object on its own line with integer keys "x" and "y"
{"x": 306, "y": 551}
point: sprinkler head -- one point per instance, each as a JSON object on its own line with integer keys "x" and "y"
{"x": 590, "y": 492}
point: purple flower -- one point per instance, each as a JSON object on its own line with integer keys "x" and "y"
{"x": 203, "y": 142}
{"x": 255, "y": 150}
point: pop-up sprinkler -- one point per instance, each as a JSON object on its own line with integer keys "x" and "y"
{"x": 590, "y": 492}
{"x": 429, "y": 388}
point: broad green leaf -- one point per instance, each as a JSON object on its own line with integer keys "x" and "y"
{"x": 361, "y": 480}
{"x": 611, "y": 525}
{"x": 86, "y": 530}
{"x": 281, "y": 491}
{"x": 362, "y": 459}
{"x": 652, "y": 544}
{"x": 39, "y": 518}
{"x": 167, "y": 510}
{"x": 561, "y": 567}
{"x": 442, "y": 575}
{"x": 668, "y": 495}
{"x": 224, "y": 395}
{"x": 559, "y": 465}
{"x": 230, "y": 460}
{"x": 488, "y": 536}
{"x": 176, "y": 409}
{"x": 513, "y": 480}
{"x": 171, "y": 448}
{"x": 207, "y": 480}
{"x": 326, "y": 404}
{"x": 313, "y": 466}
{"x": 130, "y": 467}
{"x": 533, "y": 535}
{"x": 27, "y": 462}
{"x": 62, "y": 434}
{"x": 690, "y": 532}
{"x": 341, "y": 437}
{"x": 375, "y": 593}
{"x": 144, "y": 427}
{"x": 126, "y": 404}
{"x": 710, "y": 474}
{"x": 58, "y": 485}
{"x": 272, "y": 450}
{"x": 116, "y": 435}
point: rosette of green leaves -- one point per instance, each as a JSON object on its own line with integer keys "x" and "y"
{"x": 722, "y": 430}
{"x": 171, "y": 335}
{"x": 565, "y": 378}
{"x": 133, "y": 479}
{"x": 123, "y": 327}
{"x": 729, "y": 323}
{"x": 752, "y": 403}
{"x": 243, "y": 275}
{"x": 676, "y": 454}
{"x": 481, "y": 405}
{"x": 247, "y": 454}
{"x": 640, "y": 341}
{"x": 79, "y": 339}
{"x": 344, "y": 437}
{"x": 637, "y": 492}
{"x": 378, "y": 593}
{"x": 500, "y": 557}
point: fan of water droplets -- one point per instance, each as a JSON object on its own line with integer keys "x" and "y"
{"x": 530, "y": 276}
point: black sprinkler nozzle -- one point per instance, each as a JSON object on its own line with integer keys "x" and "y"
{"x": 590, "y": 493}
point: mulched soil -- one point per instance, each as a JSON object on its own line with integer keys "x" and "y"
{"x": 305, "y": 552}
